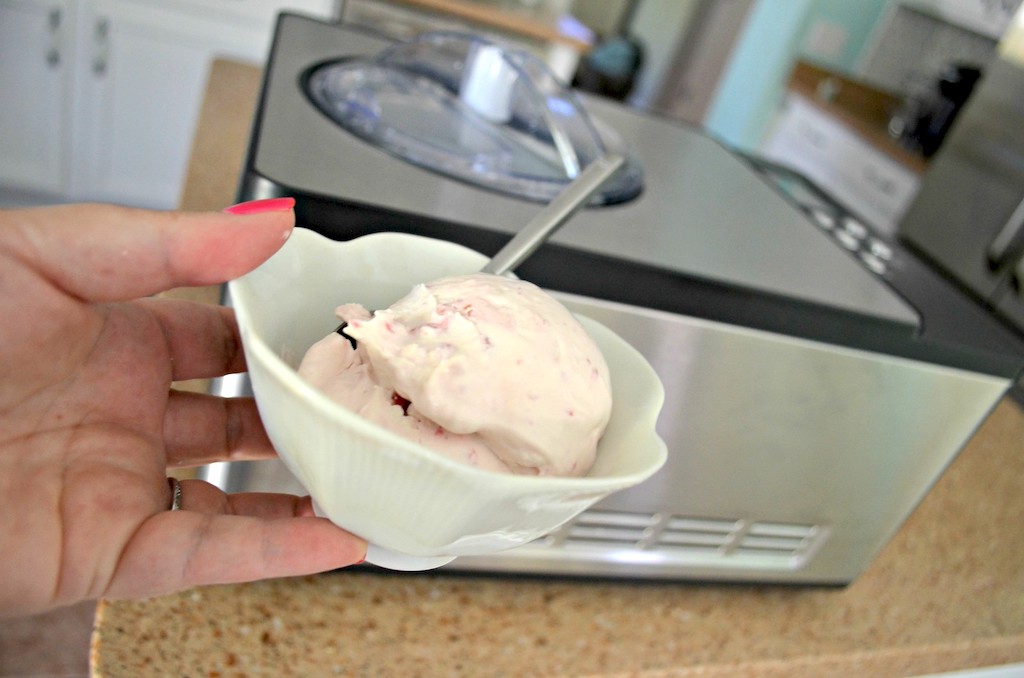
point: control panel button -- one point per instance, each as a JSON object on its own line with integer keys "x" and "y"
{"x": 880, "y": 249}
{"x": 848, "y": 241}
{"x": 855, "y": 228}
{"x": 823, "y": 218}
{"x": 874, "y": 263}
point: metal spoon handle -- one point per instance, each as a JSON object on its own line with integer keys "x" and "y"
{"x": 553, "y": 215}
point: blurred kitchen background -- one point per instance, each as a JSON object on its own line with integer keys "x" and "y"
{"x": 103, "y": 95}
{"x": 101, "y": 98}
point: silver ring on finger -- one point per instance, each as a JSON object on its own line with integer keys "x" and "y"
{"x": 175, "y": 494}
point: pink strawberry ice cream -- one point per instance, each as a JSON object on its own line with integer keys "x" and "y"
{"x": 487, "y": 370}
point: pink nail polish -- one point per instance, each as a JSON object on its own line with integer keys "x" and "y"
{"x": 261, "y": 206}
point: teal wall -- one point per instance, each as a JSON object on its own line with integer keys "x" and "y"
{"x": 859, "y": 18}
{"x": 754, "y": 80}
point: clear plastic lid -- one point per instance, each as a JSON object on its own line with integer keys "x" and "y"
{"x": 474, "y": 110}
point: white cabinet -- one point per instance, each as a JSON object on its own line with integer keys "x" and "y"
{"x": 835, "y": 157}
{"x": 113, "y": 120}
{"x": 36, "y": 56}
{"x": 140, "y": 83}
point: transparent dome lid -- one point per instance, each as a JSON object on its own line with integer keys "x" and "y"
{"x": 474, "y": 110}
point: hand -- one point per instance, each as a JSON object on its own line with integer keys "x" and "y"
{"x": 89, "y": 423}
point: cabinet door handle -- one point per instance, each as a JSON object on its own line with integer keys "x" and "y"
{"x": 53, "y": 51}
{"x": 101, "y": 36}
{"x": 1009, "y": 242}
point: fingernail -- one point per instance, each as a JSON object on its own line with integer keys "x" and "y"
{"x": 261, "y": 206}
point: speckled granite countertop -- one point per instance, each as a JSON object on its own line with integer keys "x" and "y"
{"x": 946, "y": 593}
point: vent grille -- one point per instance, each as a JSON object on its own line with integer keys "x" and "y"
{"x": 687, "y": 540}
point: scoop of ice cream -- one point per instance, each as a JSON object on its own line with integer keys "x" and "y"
{"x": 489, "y": 370}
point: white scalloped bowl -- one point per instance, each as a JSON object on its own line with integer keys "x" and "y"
{"x": 416, "y": 508}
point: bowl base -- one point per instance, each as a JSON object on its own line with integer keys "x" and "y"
{"x": 392, "y": 560}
